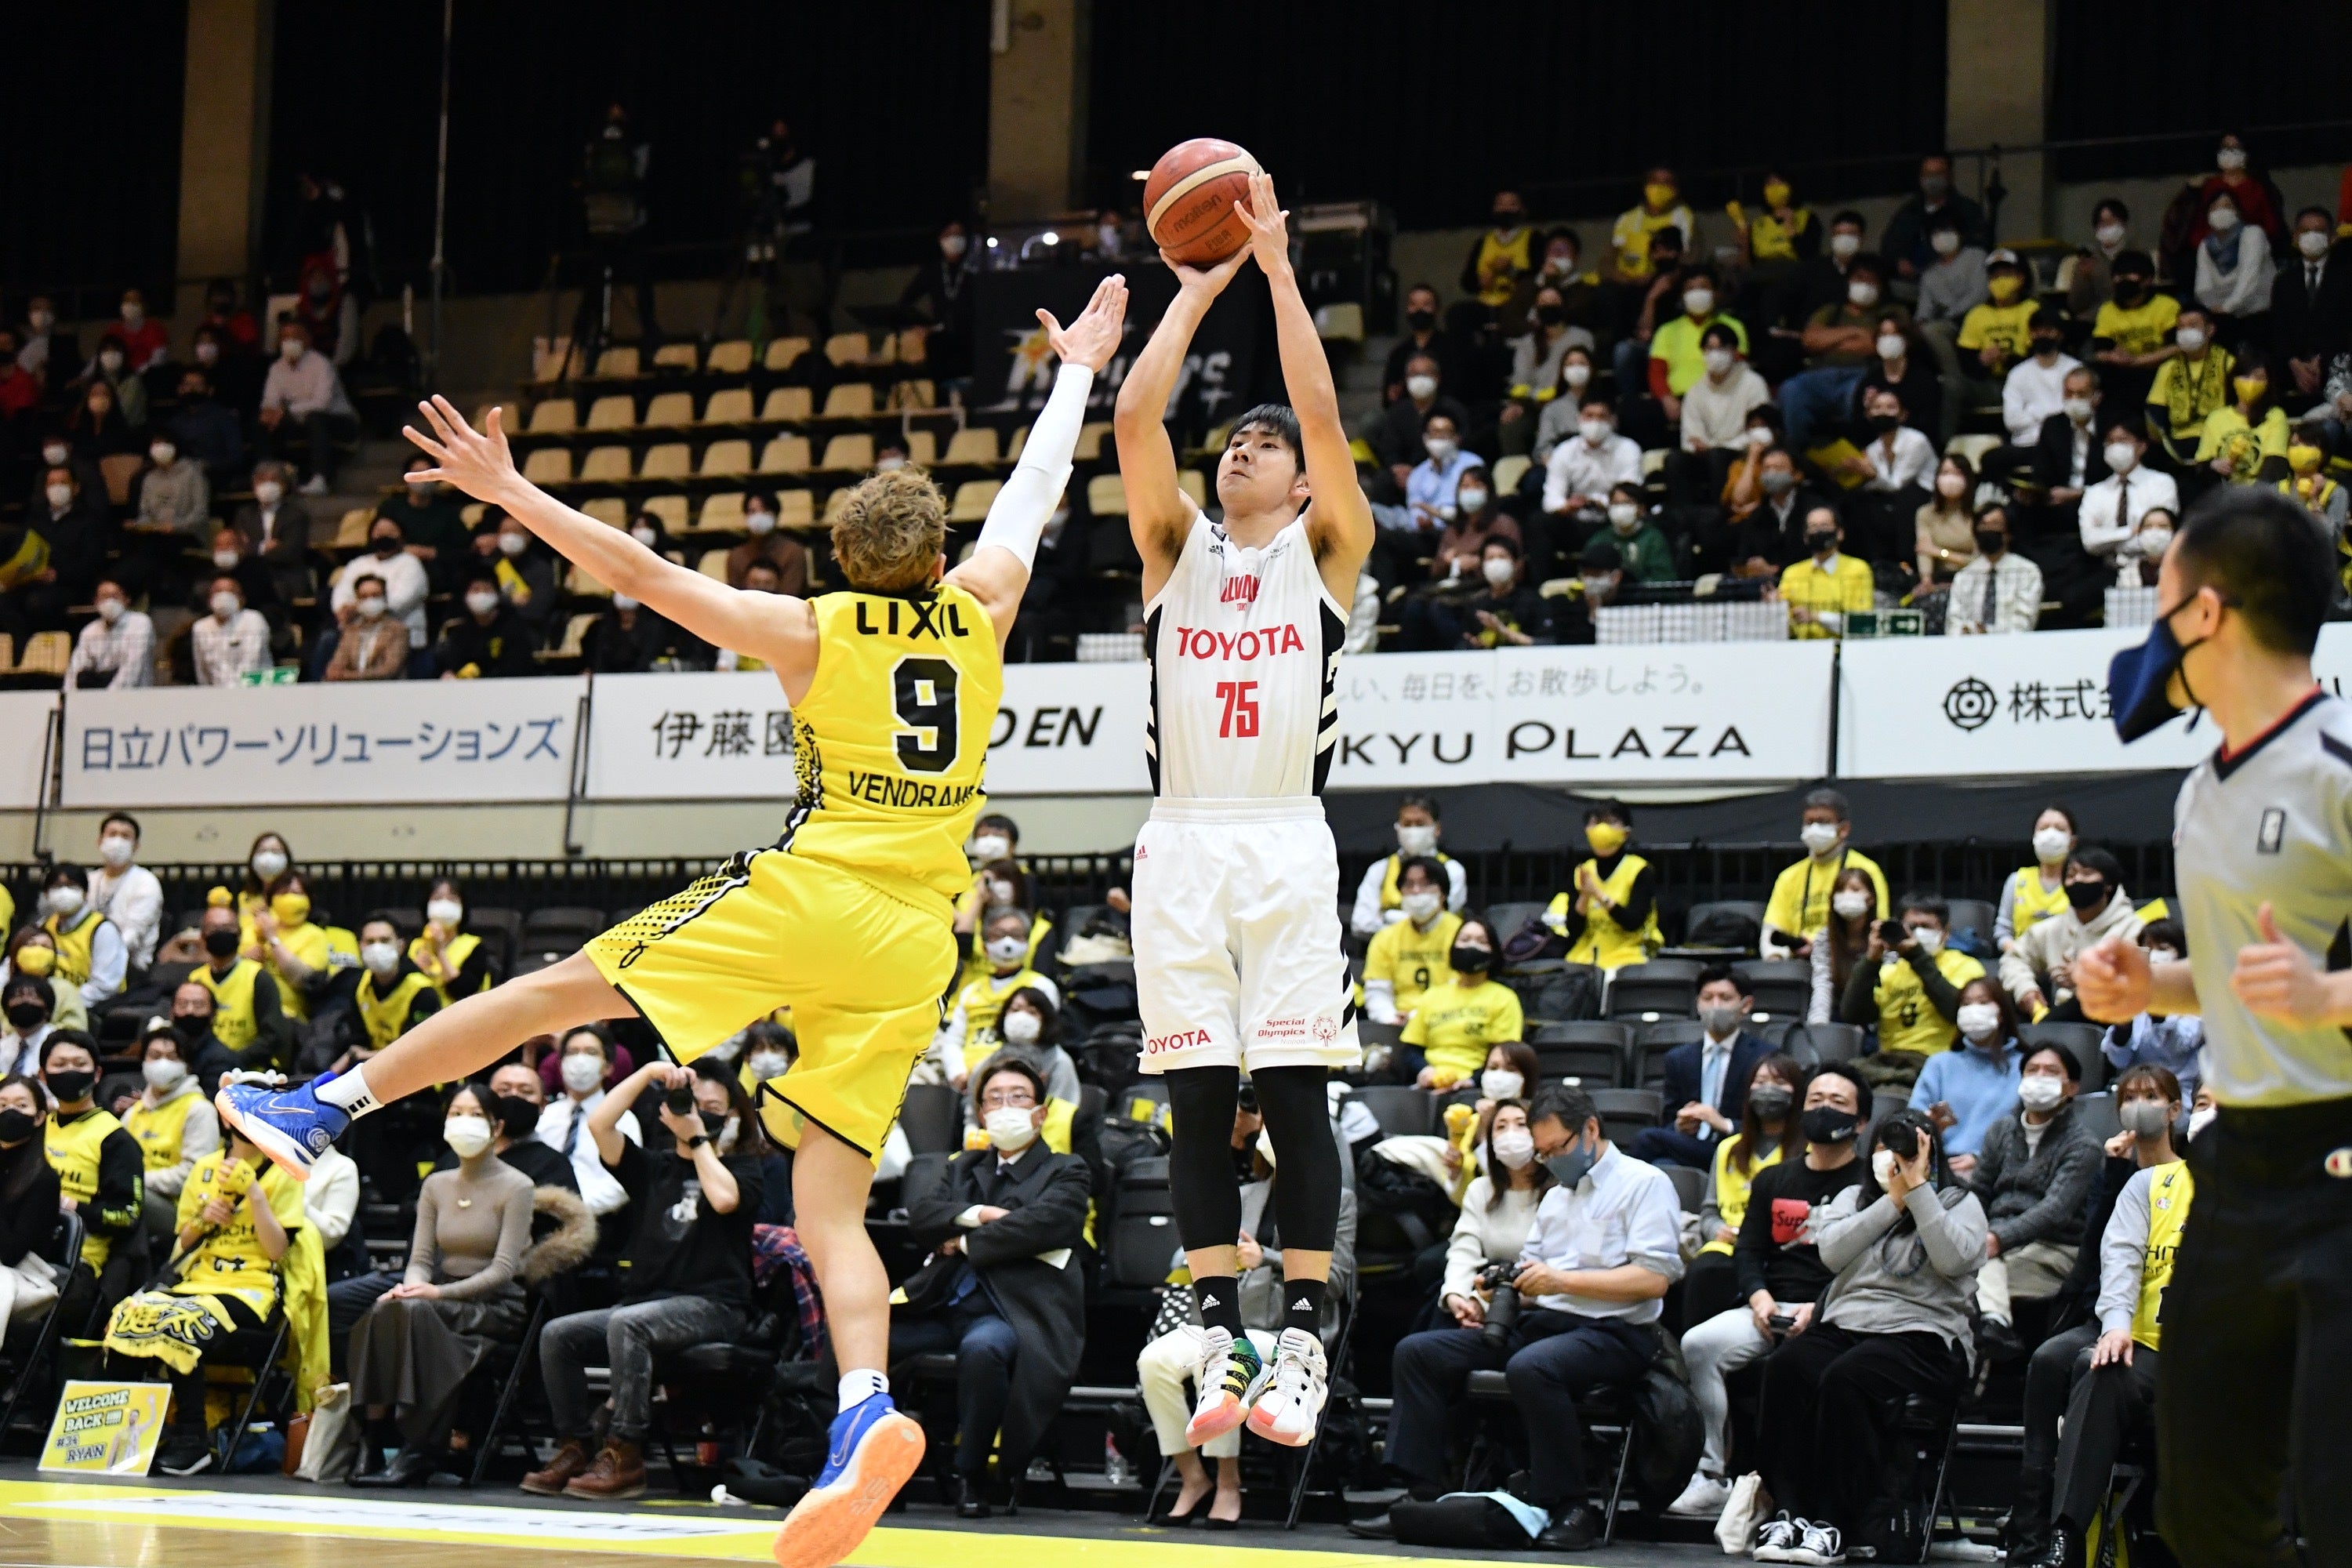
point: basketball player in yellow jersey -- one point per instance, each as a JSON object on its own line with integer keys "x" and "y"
{"x": 847, "y": 918}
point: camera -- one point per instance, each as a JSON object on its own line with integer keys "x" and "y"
{"x": 1894, "y": 933}
{"x": 1502, "y": 1304}
{"x": 680, "y": 1101}
{"x": 1900, "y": 1132}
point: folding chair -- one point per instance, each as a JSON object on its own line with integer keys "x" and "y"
{"x": 1606, "y": 1413}
{"x": 66, "y": 1242}
{"x": 526, "y": 1356}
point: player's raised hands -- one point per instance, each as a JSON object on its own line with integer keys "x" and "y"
{"x": 1094, "y": 337}
{"x": 1269, "y": 225}
{"x": 2112, "y": 980}
{"x": 2277, "y": 979}
{"x": 1209, "y": 281}
{"x": 476, "y": 462}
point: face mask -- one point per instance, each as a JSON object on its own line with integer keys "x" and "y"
{"x": 2230, "y": 160}
{"x": 998, "y": 892}
{"x": 2040, "y": 1091}
{"x": 60, "y": 497}
{"x": 482, "y": 602}
{"x": 583, "y": 1071}
{"x": 1759, "y": 436}
{"x": 69, "y": 1087}
{"x": 2077, "y": 409}
{"x": 513, "y": 545}
{"x": 1777, "y": 482}
{"x": 758, "y": 523}
{"x": 63, "y": 901}
{"x": 1421, "y": 321}
{"x": 1720, "y": 1022}
{"x": 1569, "y": 1168}
{"x": 109, "y": 610}
{"x": 1930, "y": 940}
{"x": 1697, "y": 301}
{"x": 1935, "y": 187}
{"x": 2130, "y": 290}
{"x": 225, "y": 560}
{"x": 1624, "y": 516}
{"x": 766, "y": 1064}
{"x": 2312, "y": 242}
{"x": 2006, "y": 288}
{"x": 1845, "y": 246}
{"x": 291, "y": 908}
{"x": 268, "y": 491}
{"x": 1500, "y": 1083}
{"x": 162, "y": 453}
{"x": 2223, "y": 220}
{"x": 1819, "y": 838}
{"x": 2110, "y": 234}
{"x": 27, "y": 1016}
{"x": 2050, "y": 845}
{"x": 382, "y": 958}
{"x": 192, "y": 1028}
{"x": 1022, "y": 1028}
{"x": 2162, "y": 955}
{"x": 1470, "y": 500}
{"x": 221, "y": 941}
{"x": 2202, "y": 1119}
{"x": 2123, "y": 456}
{"x": 644, "y": 535}
{"x": 445, "y": 911}
{"x": 1821, "y": 541}
{"x": 989, "y": 846}
{"x": 1508, "y": 220}
{"x": 2251, "y": 388}
{"x": 207, "y": 353}
{"x": 2086, "y": 896}
{"x": 290, "y": 350}
{"x": 1553, "y": 315}
{"x": 622, "y": 601}
{"x": 1862, "y": 294}
{"x": 1659, "y": 195}
{"x": 1852, "y": 906}
{"x": 1597, "y": 589}
{"x": 1884, "y": 1165}
{"x": 1771, "y": 1100}
{"x": 2190, "y": 338}
{"x": 1946, "y": 242}
{"x": 1421, "y": 908}
{"x": 1497, "y": 570}
{"x": 2144, "y": 1118}
{"x": 1576, "y": 375}
{"x": 110, "y": 362}
{"x": 1950, "y": 486}
{"x": 1467, "y": 960}
{"x": 1718, "y": 361}
{"x": 35, "y": 960}
{"x": 1606, "y": 838}
{"x": 114, "y": 848}
{"x": 1882, "y": 423}
{"x": 953, "y": 245}
{"x": 1594, "y": 431}
{"x": 1416, "y": 837}
{"x": 1515, "y": 1147}
{"x": 225, "y": 606}
{"x": 1008, "y": 949}
{"x": 890, "y": 463}
{"x": 369, "y": 607}
{"x": 1441, "y": 449}
{"x": 2303, "y": 457}
{"x": 1010, "y": 1128}
{"x": 15, "y": 1126}
{"x": 467, "y": 1135}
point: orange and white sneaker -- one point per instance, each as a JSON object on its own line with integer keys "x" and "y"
{"x": 874, "y": 1449}
{"x": 1229, "y": 1375}
{"x": 1291, "y": 1401}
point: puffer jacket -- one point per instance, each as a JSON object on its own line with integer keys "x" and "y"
{"x": 2036, "y": 1196}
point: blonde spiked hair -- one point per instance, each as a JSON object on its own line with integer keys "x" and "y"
{"x": 891, "y": 531}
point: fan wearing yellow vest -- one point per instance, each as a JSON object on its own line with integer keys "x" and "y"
{"x": 1611, "y": 915}
{"x": 267, "y": 859}
{"x": 1407, "y": 958}
{"x": 969, "y": 1030}
{"x": 284, "y": 940}
{"x": 995, "y": 837}
{"x": 2033, "y": 893}
{"x": 394, "y": 995}
{"x": 174, "y": 1123}
{"x": 247, "y": 1017}
{"x": 1001, "y": 884}
{"x": 450, "y": 956}
{"x": 91, "y": 954}
{"x": 2117, "y": 1396}
{"x": 1502, "y": 254}
{"x": 98, "y": 1164}
{"x": 1380, "y": 897}
{"x": 1768, "y": 1121}
{"x": 1799, "y": 904}
{"x": 1463, "y": 1016}
{"x": 1908, "y": 988}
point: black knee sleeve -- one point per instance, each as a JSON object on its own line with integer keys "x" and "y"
{"x": 1200, "y": 1184}
{"x": 1298, "y": 1110}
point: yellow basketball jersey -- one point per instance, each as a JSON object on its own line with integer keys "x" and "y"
{"x": 2170, "y": 1192}
{"x": 891, "y": 741}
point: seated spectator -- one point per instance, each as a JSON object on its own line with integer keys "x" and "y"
{"x": 1632, "y": 236}
{"x": 489, "y": 641}
{"x": 2113, "y": 508}
{"x": 2174, "y": 1042}
{"x": 2189, "y": 386}
{"x": 1499, "y": 257}
{"x": 290, "y": 944}
{"x": 2068, "y": 457}
{"x": 1429, "y": 486}
{"x": 304, "y": 395}
{"x": 69, "y": 514}
{"x": 2326, "y": 502}
{"x": 1002, "y": 1291}
{"x": 687, "y": 1272}
{"x": 412, "y": 1344}
{"x": 190, "y": 1026}
{"x": 1945, "y": 526}
{"x": 1423, "y": 338}
{"x": 1507, "y": 611}
{"x": 174, "y": 499}
{"x": 2234, "y": 268}
{"x": 2244, "y": 442}
{"x": 49, "y": 351}
{"x": 1476, "y": 518}
{"x": 247, "y": 1013}
{"x": 1840, "y": 943}
{"x": 1799, "y": 904}
{"x": 1906, "y": 232}
{"x": 2035, "y": 893}
{"x": 256, "y": 579}
{"x": 1407, "y": 955}
{"x": 1396, "y": 438}
{"x": 113, "y": 407}
{"x": 2032, "y": 1174}
{"x": 1821, "y": 591}
{"x": 1969, "y": 1088}
{"x": 2002, "y": 333}
{"x": 1464, "y": 1013}
{"x": 1646, "y": 555}
{"x": 275, "y": 527}
{"x": 174, "y": 1125}
{"x": 1904, "y": 1247}
{"x": 1841, "y": 342}
{"x": 1895, "y": 466}
{"x": 628, "y": 639}
{"x": 2088, "y": 275}
{"x": 1678, "y": 348}
{"x": 2038, "y": 970}
{"x": 1565, "y": 407}
{"x": 1609, "y": 918}
{"x": 1999, "y": 591}
{"x": 517, "y": 1100}
{"x": 145, "y": 343}
{"x": 375, "y": 644}
{"x": 1714, "y": 409}
{"x": 32, "y": 1004}
{"x": 1536, "y": 354}
{"x": 780, "y": 551}
{"x": 1775, "y": 1259}
{"x": 1911, "y": 376}
{"x": 2104, "y": 1373}
{"x": 1766, "y": 503}
{"x": 1600, "y": 1254}
{"x": 1706, "y": 1079}
{"x": 117, "y": 649}
{"x": 29, "y": 1203}
{"x": 1767, "y": 1130}
{"x": 969, "y": 1031}
{"x": 2308, "y": 303}
{"x": 230, "y": 643}
{"x": 1582, "y": 471}
{"x": 1955, "y": 282}
{"x": 450, "y": 956}
{"x": 124, "y": 892}
{"x": 1380, "y": 897}
{"x": 583, "y": 1064}
{"x": 207, "y": 429}
{"x": 20, "y": 390}
{"x": 240, "y": 1264}
{"x": 91, "y": 954}
{"x": 407, "y": 584}
{"x": 1914, "y": 1002}
{"x": 1498, "y": 1208}
{"x": 101, "y": 1172}
{"x": 2131, "y": 333}
{"x": 1031, "y": 1023}
{"x": 432, "y": 527}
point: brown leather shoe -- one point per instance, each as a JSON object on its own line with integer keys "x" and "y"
{"x": 619, "y": 1472}
{"x": 569, "y": 1462}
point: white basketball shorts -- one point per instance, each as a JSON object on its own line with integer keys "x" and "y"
{"x": 1238, "y": 954}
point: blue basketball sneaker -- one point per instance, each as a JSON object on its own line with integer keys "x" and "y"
{"x": 291, "y": 1126}
{"x": 874, "y": 1449}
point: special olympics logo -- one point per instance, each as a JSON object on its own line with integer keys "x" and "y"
{"x": 1327, "y": 1029}
{"x": 1971, "y": 704}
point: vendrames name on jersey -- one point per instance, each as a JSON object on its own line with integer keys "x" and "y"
{"x": 908, "y": 794}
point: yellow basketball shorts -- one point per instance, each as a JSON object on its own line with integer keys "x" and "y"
{"x": 863, "y": 969}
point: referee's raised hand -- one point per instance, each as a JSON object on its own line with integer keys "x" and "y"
{"x": 2277, "y": 979}
{"x": 2112, "y": 980}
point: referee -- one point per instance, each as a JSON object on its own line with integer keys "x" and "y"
{"x": 2254, "y": 1394}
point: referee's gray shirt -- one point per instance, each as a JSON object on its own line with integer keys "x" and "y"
{"x": 2271, "y": 825}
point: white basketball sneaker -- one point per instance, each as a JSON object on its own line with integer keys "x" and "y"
{"x": 1228, "y": 1376}
{"x": 1287, "y": 1408}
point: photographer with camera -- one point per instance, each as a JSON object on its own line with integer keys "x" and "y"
{"x": 1498, "y": 1212}
{"x": 1604, "y": 1247}
{"x": 1908, "y": 983}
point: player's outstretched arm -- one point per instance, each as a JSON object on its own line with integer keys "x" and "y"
{"x": 997, "y": 574}
{"x": 775, "y": 628}
{"x": 1157, "y": 514}
{"x": 1341, "y": 519}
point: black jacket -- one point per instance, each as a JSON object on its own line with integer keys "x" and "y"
{"x": 2303, "y": 327}
{"x": 1922, "y": 396}
{"x": 1683, "y": 1065}
{"x": 1781, "y": 541}
{"x": 501, "y": 648}
{"x": 2053, "y": 454}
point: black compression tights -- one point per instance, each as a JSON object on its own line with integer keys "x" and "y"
{"x": 1201, "y": 1160}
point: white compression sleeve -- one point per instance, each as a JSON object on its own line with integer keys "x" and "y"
{"x": 1021, "y": 508}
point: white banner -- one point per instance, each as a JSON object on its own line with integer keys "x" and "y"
{"x": 24, "y": 719}
{"x": 344, "y": 744}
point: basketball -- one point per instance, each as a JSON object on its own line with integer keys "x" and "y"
{"x": 1188, "y": 202}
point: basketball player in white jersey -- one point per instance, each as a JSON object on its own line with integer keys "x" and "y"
{"x": 1238, "y": 952}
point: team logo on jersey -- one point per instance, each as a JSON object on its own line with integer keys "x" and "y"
{"x": 1327, "y": 1029}
{"x": 1199, "y": 642}
{"x": 1240, "y": 590}
{"x": 2272, "y": 835}
{"x": 1176, "y": 1040}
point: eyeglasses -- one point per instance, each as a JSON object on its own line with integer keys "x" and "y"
{"x": 1009, "y": 1100}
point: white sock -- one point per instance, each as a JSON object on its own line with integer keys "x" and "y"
{"x": 348, "y": 1092}
{"x": 857, "y": 1387}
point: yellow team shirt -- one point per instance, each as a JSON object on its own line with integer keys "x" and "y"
{"x": 2188, "y": 392}
{"x": 1800, "y": 905}
{"x": 2008, "y": 328}
{"x": 75, "y": 947}
{"x": 1413, "y": 961}
{"x": 1604, "y": 943}
{"x": 1908, "y": 1021}
{"x": 1500, "y": 263}
{"x": 2142, "y": 329}
{"x": 1769, "y": 239}
{"x": 1732, "y": 1186}
{"x": 2031, "y": 903}
{"x": 890, "y": 743}
{"x": 1845, "y": 587}
{"x": 159, "y": 1129}
{"x": 1456, "y": 1023}
{"x": 2248, "y": 444}
{"x": 235, "y": 1024}
{"x": 230, "y": 1260}
{"x": 1677, "y": 343}
{"x": 2170, "y": 1193}
{"x": 984, "y": 1001}
{"x": 1635, "y": 228}
{"x": 306, "y": 942}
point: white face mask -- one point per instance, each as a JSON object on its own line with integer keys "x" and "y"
{"x": 1020, "y": 1028}
{"x": 1945, "y": 242}
{"x": 583, "y": 1071}
{"x": 1441, "y": 449}
{"x": 162, "y": 1074}
{"x": 2313, "y": 243}
{"x": 2123, "y": 456}
{"x": 66, "y": 901}
{"x": 1930, "y": 940}
{"x": 1595, "y": 431}
{"x": 225, "y": 605}
{"x": 622, "y": 601}
{"x": 1759, "y": 436}
{"x": 644, "y": 535}
{"x": 1597, "y": 589}
{"x": 2152, "y": 543}
{"x": 998, "y": 892}
{"x": 1010, "y": 1128}
{"x": 468, "y": 1135}
{"x": 1951, "y": 487}
{"x": 268, "y": 492}
{"x": 2223, "y": 220}
{"x": 1500, "y": 1083}
{"x": 369, "y": 606}
{"x": 1882, "y": 1166}
{"x": 1845, "y": 246}
{"x": 2202, "y": 1119}
{"x": 889, "y": 465}
{"x": 1697, "y": 301}
{"x": 1470, "y": 500}
{"x": 513, "y": 545}
{"x": 988, "y": 847}
{"x": 207, "y": 353}
{"x": 1416, "y": 837}
{"x": 110, "y": 361}
{"x": 1576, "y": 374}
{"x": 109, "y": 610}
{"x": 268, "y": 864}
{"x": 758, "y": 523}
{"x": 2078, "y": 409}
{"x": 1624, "y": 516}
{"x": 1421, "y": 908}
{"x": 225, "y": 560}
{"x": 2040, "y": 1091}
{"x": 382, "y": 958}
{"x": 766, "y": 1064}
{"x": 1008, "y": 949}
{"x": 2190, "y": 338}
{"x": 953, "y": 245}
{"x": 1515, "y": 1146}
{"x": 1862, "y": 294}
{"x": 2110, "y": 235}
{"x": 1979, "y": 1020}
{"x": 2050, "y": 845}
{"x": 162, "y": 453}
{"x": 2230, "y": 160}
{"x": 2162, "y": 955}
{"x": 1421, "y": 388}
{"x": 1852, "y": 905}
{"x": 116, "y": 850}
{"x": 482, "y": 601}
{"x": 1719, "y": 360}
{"x": 445, "y": 911}
{"x": 1819, "y": 837}
{"x": 1497, "y": 570}
{"x": 290, "y": 350}
{"x": 60, "y": 497}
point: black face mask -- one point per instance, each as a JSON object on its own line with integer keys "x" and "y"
{"x": 1828, "y": 1124}
{"x": 193, "y": 1027}
{"x": 714, "y": 1123}
{"x": 1470, "y": 959}
{"x": 1550, "y": 315}
{"x": 1882, "y": 423}
{"x": 1991, "y": 541}
{"x": 1818, "y": 543}
{"x": 1420, "y": 321}
{"x": 2085, "y": 896}
{"x": 221, "y": 941}
{"x": 26, "y": 1016}
{"x": 2045, "y": 345}
{"x": 2128, "y": 290}
{"x": 16, "y": 1125}
{"x": 69, "y": 1087}
{"x": 1771, "y": 1100}
{"x": 517, "y": 1117}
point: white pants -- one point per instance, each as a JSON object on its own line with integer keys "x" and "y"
{"x": 1163, "y": 1369}
{"x": 1239, "y": 959}
{"x": 1713, "y": 1351}
{"x": 2034, "y": 1271}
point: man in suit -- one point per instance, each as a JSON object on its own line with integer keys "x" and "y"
{"x": 1707, "y": 1079}
{"x": 2311, "y": 308}
{"x": 1002, "y": 1291}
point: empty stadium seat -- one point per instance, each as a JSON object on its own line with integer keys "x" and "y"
{"x": 972, "y": 500}
{"x": 615, "y": 413}
{"x": 783, "y": 351}
{"x": 726, "y": 459}
{"x": 787, "y": 455}
{"x": 670, "y": 461}
{"x": 352, "y": 532}
{"x": 850, "y": 452}
{"x": 713, "y": 564}
{"x": 795, "y": 509}
{"x": 1090, "y": 440}
{"x": 620, "y": 363}
{"x": 789, "y": 405}
{"x": 919, "y": 391}
{"x": 728, "y": 405}
{"x": 575, "y": 635}
{"x": 732, "y": 357}
{"x": 678, "y": 356}
{"x": 606, "y": 464}
{"x": 1020, "y": 440}
{"x": 672, "y": 408}
{"x": 1107, "y": 496}
{"x": 835, "y": 503}
{"x": 922, "y": 449}
{"x": 46, "y": 653}
{"x": 851, "y": 400}
{"x": 974, "y": 445}
{"x": 911, "y": 346}
{"x": 671, "y": 510}
{"x": 553, "y": 416}
{"x": 1508, "y": 472}
{"x": 847, "y": 348}
{"x": 546, "y": 465}
{"x": 1190, "y": 482}
{"x": 723, "y": 512}
{"x": 610, "y": 510}
{"x": 577, "y": 580}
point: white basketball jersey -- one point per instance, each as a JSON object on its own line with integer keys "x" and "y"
{"x": 1245, "y": 650}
